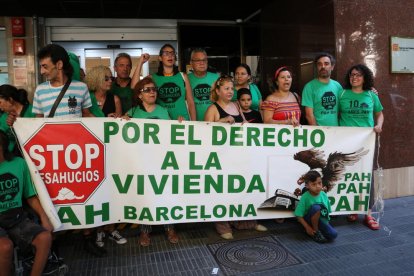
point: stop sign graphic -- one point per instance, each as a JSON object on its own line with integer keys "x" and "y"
{"x": 70, "y": 160}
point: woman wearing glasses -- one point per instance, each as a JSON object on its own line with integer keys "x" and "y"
{"x": 104, "y": 103}
{"x": 359, "y": 106}
{"x": 174, "y": 89}
{"x": 144, "y": 102}
{"x": 144, "y": 107}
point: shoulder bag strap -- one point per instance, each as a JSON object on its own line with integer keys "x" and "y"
{"x": 59, "y": 98}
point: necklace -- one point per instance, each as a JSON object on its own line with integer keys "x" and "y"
{"x": 168, "y": 74}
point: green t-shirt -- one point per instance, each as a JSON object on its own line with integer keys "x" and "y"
{"x": 172, "y": 95}
{"x": 74, "y": 61}
{"x": 201, "y": 92}
{"x": 26, "y": 113}
{"x": 307, "y": 200}
{"x": 323, "y": 98}
{"x": 15, "y": 184}
{"x": 357, "y": 109}
{"x": 95, "y": 110}
{"x": 158, "y": 113}
{"x": 256, "y": 96}
{"x": 124, "y": 94}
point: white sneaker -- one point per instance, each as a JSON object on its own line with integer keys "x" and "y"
{"x": 227, "y": 236}
{"x": 116, "y": 236}
{"x": 260, "y": 228}
{"x": 100, "y": 236}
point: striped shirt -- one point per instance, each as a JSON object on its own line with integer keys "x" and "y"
{"x": 75, "y": 99}
{"x": 282, "y": 110}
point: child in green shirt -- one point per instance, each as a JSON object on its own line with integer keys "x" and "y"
{"x": 314, "y": 208}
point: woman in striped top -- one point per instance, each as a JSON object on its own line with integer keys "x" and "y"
{"x": 282, "y": 106}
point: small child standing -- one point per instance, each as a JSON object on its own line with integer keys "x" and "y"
{"x": 244, "y": 99}
{"x": 314, "y": 208}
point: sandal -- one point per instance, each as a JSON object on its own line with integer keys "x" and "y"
{"x": 172, "y": 236}
{"x": 352, "y": 217}
{"x": 144, "y": 239}
{"x": 371, "y": 222}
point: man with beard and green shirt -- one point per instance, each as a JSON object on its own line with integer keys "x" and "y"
{"x": 201, "y": 81}
{"x": 121, "y": 86}
{"x": 320, "y": 95}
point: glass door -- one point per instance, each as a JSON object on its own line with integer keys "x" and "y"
{"x": 106, "y": 57}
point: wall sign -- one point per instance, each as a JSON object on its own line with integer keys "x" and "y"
{"x": 402, "y": 54}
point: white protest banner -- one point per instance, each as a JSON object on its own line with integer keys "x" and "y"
{"x": 102, "y": 170}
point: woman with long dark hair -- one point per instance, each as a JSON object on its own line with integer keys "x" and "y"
{"x": 174, "y": 89}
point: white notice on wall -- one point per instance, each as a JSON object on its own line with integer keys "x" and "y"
{"x": 19, "y": 62}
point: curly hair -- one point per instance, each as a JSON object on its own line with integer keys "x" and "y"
{"x": 136, "y": 101}
{"x": 217, "y": 84}
{"x": 366, "y": 73}
{"x": 95, "y": 78}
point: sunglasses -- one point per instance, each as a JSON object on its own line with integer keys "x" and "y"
{"x": 107, "y": 78}
{"x": 149, "y": 89}
{"x": 168, "y": 53}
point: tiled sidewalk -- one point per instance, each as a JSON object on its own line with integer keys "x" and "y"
{"x": 284, "y": 250}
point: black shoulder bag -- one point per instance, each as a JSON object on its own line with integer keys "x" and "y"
{"x": 59, "y": 98}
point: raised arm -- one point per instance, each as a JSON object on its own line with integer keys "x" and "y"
{"x": 137, "y": 73}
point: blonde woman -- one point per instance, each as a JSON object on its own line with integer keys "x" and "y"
{"x": 225, "y": 111}
{"x": 104, "y": 103}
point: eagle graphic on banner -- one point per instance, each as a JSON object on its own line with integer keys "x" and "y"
{"x": 331, "y": 169}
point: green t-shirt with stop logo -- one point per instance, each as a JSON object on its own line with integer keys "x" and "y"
{"x": 323, "y": 98}
{"x": 201, "y": 88}
{"x": 171, "y": 95}
{"x": 15, "y": 184}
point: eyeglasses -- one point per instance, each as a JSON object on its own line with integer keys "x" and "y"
{"x": 199, "y": 60}
{"x": 355, "y": 75}
{"x": 168, "y": 53}
{"x": 149, "y": 89}
{"x": 107, "y": 78}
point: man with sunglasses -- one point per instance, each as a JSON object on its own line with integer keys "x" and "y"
{"x": 201, "y": 81}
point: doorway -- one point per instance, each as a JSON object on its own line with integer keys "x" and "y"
{"x": 106, "y": 57}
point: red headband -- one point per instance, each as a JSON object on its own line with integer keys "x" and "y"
{"x": 278, "y": 71}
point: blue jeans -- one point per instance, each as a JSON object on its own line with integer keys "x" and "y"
{"x": 327, "y": 230}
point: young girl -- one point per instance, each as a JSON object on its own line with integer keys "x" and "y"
{"x": 314, "y": 208}
{"x": 244, "y": 98}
